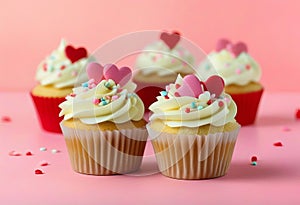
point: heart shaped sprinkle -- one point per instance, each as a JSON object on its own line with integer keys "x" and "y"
{"x": 237, "y": 49}
{"x": 95, "y": 71}
{"x": 75, "y": 54}
{"x": 215, "y": 85}
{"x": 38, "y": 171}
{"x": 191, "y": 86}
{"x": 278, "y": 144}
{"x": 120, "y": 76}
{"x": 222, "y": 44}
{"x": 170, "y": 40}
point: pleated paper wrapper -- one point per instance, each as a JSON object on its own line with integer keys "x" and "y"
{"x": 105, "y": 152}
{"x": 48, "y": 112}
{"x": 182, "y": 156}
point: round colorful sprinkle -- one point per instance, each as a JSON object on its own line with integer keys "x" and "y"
{"x": 54, "y": 151}
{"x": 254, "y": 159}
{"x": 187, "y": 110}
{"x": 28, "y": 153}
{"x": 43, "y": 149}
{"x": 254, "y": 163}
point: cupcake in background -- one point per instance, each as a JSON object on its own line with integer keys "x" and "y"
{"x": 159, "y": 64}
{"x": 103, "y": 123}
{"x": 241, "y": 74}
{"x": 56, "y": 75}
{"x": 193, "y": 129}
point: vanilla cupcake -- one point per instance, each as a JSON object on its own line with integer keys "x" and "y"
{"x": 56, "y": 75}
{"x": 241, "y": 74}
{"x": 103, "y": 123}
{"x": 159, "y": 64}
{"x": 193, "y": 129}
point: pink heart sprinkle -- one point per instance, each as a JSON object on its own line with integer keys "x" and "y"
{"x": 191, "y": 86}
{"x": 95, "y": 71}
{"x": 237, "y": 49}
{"x": 170, "y": 40}
{"x": 120, "y": 76}
{"x": 222, "y": 44}
{"x": 215, "y": 85}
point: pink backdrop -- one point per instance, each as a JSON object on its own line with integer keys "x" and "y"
{"x": 29, "y": 30}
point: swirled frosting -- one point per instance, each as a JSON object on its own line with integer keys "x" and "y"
{"x": 239, "y": 70}
{"x": 106, "y": 101}
{"x": 59, "y": 71}
{"x": 158, "y": 58}
{"x": 187, "y": 111}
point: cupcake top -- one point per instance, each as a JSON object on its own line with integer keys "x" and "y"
{"x": 190, "y": 102}
{"x": 107, "y": 96}
{"x": 165, "y": 57}
{"x": 233, "y": 63}
{"x": 62, "y": 68}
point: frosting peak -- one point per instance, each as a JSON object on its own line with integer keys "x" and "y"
{"x": 107, "y": 100}
{"x": 62, "y": 68}
{"x": 195, "y": 106}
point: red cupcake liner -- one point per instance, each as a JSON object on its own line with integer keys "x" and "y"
{"x": 247, "y": 106}
{"x": 148, "y": 92}
{"x": 47, "y": 110}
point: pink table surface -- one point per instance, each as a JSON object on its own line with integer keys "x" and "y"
{"x": 275, "y": 179}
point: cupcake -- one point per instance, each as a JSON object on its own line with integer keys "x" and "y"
{"x": 103, "y": 123}
{"x": 193, "y": 129}
{"x": 241, "y": 74}
{"x": 159, "y": 64}
{"x": 56, "y": 76}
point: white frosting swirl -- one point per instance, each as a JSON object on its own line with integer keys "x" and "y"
{"x": 239, "y": 70}
{"x": 160, "y": 59}
{"x": 93, "y": 104}
{"x": 193, "y": 112}
{"x": 57, "y": 70}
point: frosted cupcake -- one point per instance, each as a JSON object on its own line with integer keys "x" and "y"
{"x": 103, "y": 123}
{"x": 192, "y": 128}
{"x": 241, "y": 74}
{"x": 56, "y": 76}
{"x": 159, "y": 64}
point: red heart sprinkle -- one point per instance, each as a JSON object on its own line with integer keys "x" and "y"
{"x": 14, "y": 153}
{"x": 222, "y": 44}
{"x": 170, "y": 40}
{"x": 29, "y": 153}
{"x": 5, "y": 119}
{"x": 38, "y": 171}
{"x": 75, "y": 54}
{"x": 237, "y": 49}
{"x": 278, "y": 144}
{"x": 44, "y": 163}
{"x": 254, "y": 159}
{"x": 297, "y": 114}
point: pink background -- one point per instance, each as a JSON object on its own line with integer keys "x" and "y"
{"x": 29, "y": 30}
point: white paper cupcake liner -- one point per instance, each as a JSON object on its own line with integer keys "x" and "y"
{"x": 105, "y": 152}
{"x": 193, "y": 156}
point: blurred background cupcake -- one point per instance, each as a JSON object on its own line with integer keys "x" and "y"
{"x": 103, "y": 123}
{"x": 159, "y": 64}
{"x": 192, "y": 128}
{"x": 241, "y": 74}
{"x": 56, "y": 76}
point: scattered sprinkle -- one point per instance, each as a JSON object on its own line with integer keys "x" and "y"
{"x": 14, "y": 153}
{"x": 221, "y": 103}
{"x": 96, "y": 101}
{"x": 44, "y": 163}
{"x": 62, "y": 67}
{"x": 207, "y": 66}
{"x": 45, "y": 67}
{"x": 74, "y": 73}
{"x": 85, "y": 85}
{"x": 200, "y": 107}
{"x": 209, "y": 102}
{"x": 166, "y": 97}
{"x": 177, "y": 86}
{"x": 72, "y": 94}
{"x": 54, "y": 151}
{"x": 28, "y": 153}
{"x": 278, "y": 144}
{"x": 254, "y": 159}
{"x": 38, "y": 171}
{"x": 286, "y": 129}
{"x": 164, "y": 93}
{"x": 297, "y": 114}
{"x": 177, "y": 94}
{"x": 173, "y": 61}
{"x": 103, "y": 103}
{"x": 6, "y": 119}
{"x": 43, "y": 149}
{"x": 115, "y": 97}
{"x": 193, "y": 104}
{"x": 167, "y": 88}
{"x": 187, "y": 110}
{"x": 248, "y": 67}
{"x": 254, "y": 163}
{"x": 107, "y": 84}
{"x": 238, "y": 71}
